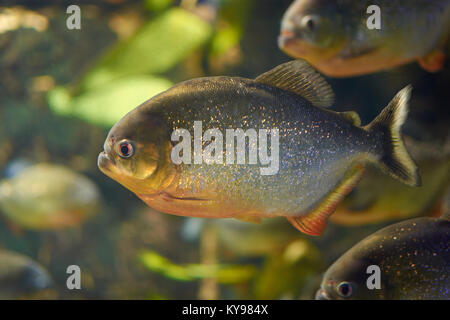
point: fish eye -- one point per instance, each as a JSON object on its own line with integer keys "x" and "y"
{"x": 310, "y": 22}
{"x": 125, "y": 149}
{"x": 345, "y": 289}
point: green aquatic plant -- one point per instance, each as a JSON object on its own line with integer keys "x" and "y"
{"x": 124, "y": 77}
{"x": 106, "y": 104}
{"x": 223, "y": 273}
{"x": 157, "y": 5}
{"x": 159, "y": 45}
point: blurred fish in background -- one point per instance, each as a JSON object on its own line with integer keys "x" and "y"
{"x": 334, "y": 36}
{"x": 274, "y": 246}
{"x": 242, "y": 239}
{"x": 46, "y": 196}
{"x": 412, "y": 257}
{"x": 377, "y": 199}
{"x": 21, "y": 277}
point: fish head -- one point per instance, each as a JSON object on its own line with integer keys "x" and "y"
{"x": 346, "y": 279}
{"x": 312, "y": 30}
{"x": 136, "y": 152}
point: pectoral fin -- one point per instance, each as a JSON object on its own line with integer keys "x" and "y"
{"x": 315, "y": 222}
{"x": 433, "y": 62}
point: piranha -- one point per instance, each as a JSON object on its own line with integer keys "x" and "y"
{"x": 20, "y": 276}
{"x": 413, "y": 260}
{"x": 48, "y": 197}
{"x": 321, "y": 152}
{"x": 335, "y": 38}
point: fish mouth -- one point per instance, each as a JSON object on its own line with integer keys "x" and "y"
{"x": 286, "y": 38}
{"x": 104, "y": 162}
{"x": 321, "y": 294}
{"x": 291, "y": 43}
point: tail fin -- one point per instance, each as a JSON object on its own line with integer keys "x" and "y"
{"x": 395, "y": 160}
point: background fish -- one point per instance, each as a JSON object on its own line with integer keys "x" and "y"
{"x": 333, "y": 35}
{"x": 413, "y": 257}
{"x": 321, "y": 152}
{"x": 46, "y": 196}
{"x": 377, "y": 198}
{"x": 272, "y": 236}
{"x": 20, "y": 276}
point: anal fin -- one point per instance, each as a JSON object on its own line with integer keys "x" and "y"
{"x": 433, "y": 62}
{"x": 315, "y": 222}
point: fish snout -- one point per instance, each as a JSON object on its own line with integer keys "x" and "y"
{"x": 321, "y": 294}
{"x": 292, "y": 43}
{"x": 286, "y": 38}
{"x": 104, "y": 162}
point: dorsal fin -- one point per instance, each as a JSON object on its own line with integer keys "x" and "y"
{"x": 352, "y": 117}
{"x": 299, "y": 77}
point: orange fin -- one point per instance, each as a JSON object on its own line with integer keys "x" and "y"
{"x": 315, "y": 222}
{"x": 433, "y": 62}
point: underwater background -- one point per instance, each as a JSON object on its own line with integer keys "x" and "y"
{"x": 61, "y": 91}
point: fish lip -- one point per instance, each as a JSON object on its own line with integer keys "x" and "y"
{"x": 321, "y": 294}
{"x": 287, "y": 38}
{"x": 104, "y": 162}
{"x": 287, "y": 33}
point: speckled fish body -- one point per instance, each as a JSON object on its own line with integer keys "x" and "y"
{"x": 317, "y": 149}
{"x": 316, "y": 145}
{"x": 333, "y": 35}
{"x": 413, "y": 257}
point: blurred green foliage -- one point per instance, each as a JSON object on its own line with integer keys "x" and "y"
{"x": 158, "y": 5}
{"x": 106, "y": 104}
{"x": 234, "y": 15}
{"x": 160, "y": 44}
{"x": 123, "y": 79}
{"x": 226, "y": 274}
